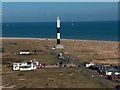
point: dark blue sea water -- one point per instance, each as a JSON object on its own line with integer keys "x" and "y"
{"x": 102, "y": 30}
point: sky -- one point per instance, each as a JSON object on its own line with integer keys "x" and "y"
{"x": 60, "y": 0}
{"x": 67, "y": 11}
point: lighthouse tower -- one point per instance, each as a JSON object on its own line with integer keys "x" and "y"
{"x": 58, "y": 45}
{"x": 58, "y": 30}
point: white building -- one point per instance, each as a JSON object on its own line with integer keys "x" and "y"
{"x": 88, "y": 64}
{"x": 25, "y": 66}
{"x": 112, "y": 71}
{"x": 60, "y": 56}
{"x": 24, "y": 52}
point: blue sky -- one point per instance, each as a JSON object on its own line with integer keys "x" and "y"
{"x": 60, "y": 0}
{"x": 68, "y": 11}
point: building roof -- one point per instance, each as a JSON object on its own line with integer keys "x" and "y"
{"x": 98, "y": 66}
{"x": 112, "y": 70}
{"x": 117, "y": 67}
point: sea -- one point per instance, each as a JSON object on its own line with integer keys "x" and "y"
{"x": 96, "y": 30}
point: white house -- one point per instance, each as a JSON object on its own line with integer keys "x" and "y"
{"x": 16, "y": 66}
{"x": 60, "y": 56}
{"x": 24, "y": 52}
{"x": 25, "y": 66}
{"x": 53, "y": 48}
{"x": 111, "y": 71}
{"x": 88, "y": 64}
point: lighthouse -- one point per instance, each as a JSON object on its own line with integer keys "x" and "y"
{"x": 58, "y": 45}
{"x": 58, "y": 30}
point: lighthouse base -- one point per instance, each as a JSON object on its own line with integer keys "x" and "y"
{"x": 58, "y": 46}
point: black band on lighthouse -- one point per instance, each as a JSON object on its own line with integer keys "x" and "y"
{"x": 58, "y": 35}
{"x": 58, "y": 41}
{"x": 58, "y": 30}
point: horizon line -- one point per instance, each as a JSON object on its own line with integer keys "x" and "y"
{"x": 61, "y": 21}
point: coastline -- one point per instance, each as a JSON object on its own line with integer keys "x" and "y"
{"x": 28, "y": 38}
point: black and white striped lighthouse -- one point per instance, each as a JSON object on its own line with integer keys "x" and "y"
{"x": 58, "y": 30}
{"x": 58, "y": 45}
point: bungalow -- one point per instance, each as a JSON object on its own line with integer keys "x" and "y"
{"x": 25, "y": 66}
{"x": 98, "y": 67}
{"x": 24, "y": 52}
{"x": 112, "y": 71}
{"x": 88, "y": 64}
{"x": 101, "y": 69}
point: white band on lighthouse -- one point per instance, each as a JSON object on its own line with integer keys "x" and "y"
{"x": 58, "y": 23}
{"x": 58, "y": 35}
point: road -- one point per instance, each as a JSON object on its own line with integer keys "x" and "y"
{"x": 91, "y": 73}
